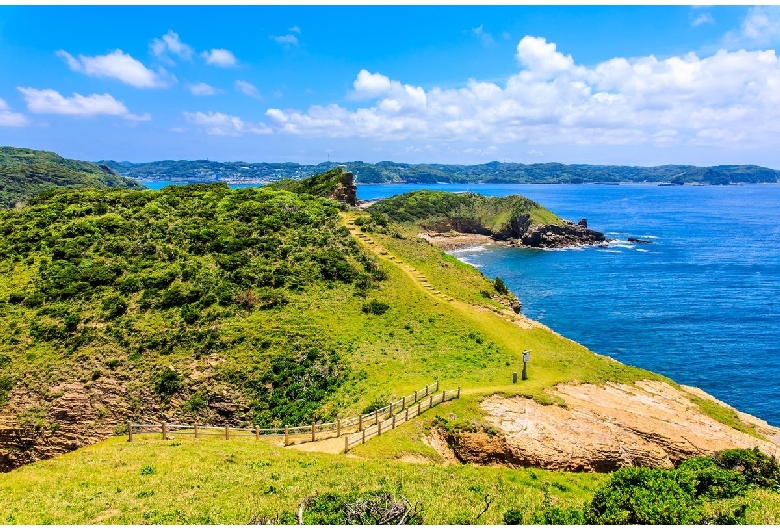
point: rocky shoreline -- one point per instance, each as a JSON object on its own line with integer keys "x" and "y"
{"x": 522, "y": 235}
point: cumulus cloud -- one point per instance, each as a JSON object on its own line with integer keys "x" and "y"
{"x": 11, "y": 119}
{"x": 201, "y": 89}
{"x": 719, "y": 99}
{"x": 294, "y": 29}
{"x": 219, "y": 57}
{"x": 285, "y": 40}
{"x": 118, "y": 65}
{"x": 50, "y": 101}
{"x": 171, "y": 43}
{"x": 219, "y": 124}
{"x": 247, "y": 88}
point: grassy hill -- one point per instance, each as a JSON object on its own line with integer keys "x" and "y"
{"x": 27, "y": 172}
{"x": 493, "y": 214}
{"x": 246, "y": 307}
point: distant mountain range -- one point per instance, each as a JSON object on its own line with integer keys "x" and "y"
{"x": 492, "y": 172}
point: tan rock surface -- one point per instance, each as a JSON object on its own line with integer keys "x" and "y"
{"x": 605, "y": 427}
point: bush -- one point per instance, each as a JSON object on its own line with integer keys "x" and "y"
{"x": 167, "y": 383}
{"x": 375, "y": 307}
{"x": 644, "y": 496}
{"x": 758, "y": 468}
{"x": 364, "y": 508}
{"x": 500, "y": 287}
{"x": 558, "y": 516}
{"x": 513, "y": 516}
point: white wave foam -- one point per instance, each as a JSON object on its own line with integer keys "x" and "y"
{"x": 642, "y": 250}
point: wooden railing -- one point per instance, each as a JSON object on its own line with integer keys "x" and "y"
{"x": 316, "y": 431}
{"x": 400, "y": 417}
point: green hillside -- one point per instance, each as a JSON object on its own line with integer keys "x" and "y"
{"x": 27, "y": 172}
{"x": 254, "y": 306}
{"x": 494, "y": 214}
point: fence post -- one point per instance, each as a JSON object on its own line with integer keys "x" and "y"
{"x": 164, "y": 431}
{"x": 426, "y": 390}
{"x": 227, "y": 432}
{"x": 346, "y": 444}
{"x": 391, "y": 408}
{"x": 364, "y": 436}
{"x": 403, "y": 403}
{"x": 376, "y": 416}
{"x": 437, "y": 386}
{"x": 406, "y": 416}
{"x": 129, "y": 431}
{"x": 196, "y": 430}
{"x": 430, "y": 403}
{"x": 312, "y": 432}
{"x": 379, "y": 429}
{"x": 393, "y": 427}
{"x": 286, "y": 436}
{"x": 415, "y": 396}
{"x": 458, "y": 395}
{"x": 338, "y": 429}
{"x": 419, "y": 403}
{"x": 360, "y": 422}
{"x": 257, "y": 432}
{"x": 443, "y": 393}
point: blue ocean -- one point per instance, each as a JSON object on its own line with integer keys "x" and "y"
{"x": 699, "y": 304}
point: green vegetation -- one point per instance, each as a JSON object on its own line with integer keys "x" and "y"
{"x": 257, "y": 306}
{"x": 25, "y": 173}
{"x": 701, "y": 490}
{"x": 491, "y": 172}
{"x": 468, "y": 212}
{"x": 317, "y": 185}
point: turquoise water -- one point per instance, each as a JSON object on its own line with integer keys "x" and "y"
{"x": 701, "y": 304}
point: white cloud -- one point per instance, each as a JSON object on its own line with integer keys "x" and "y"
{"x": 219, "y": 57}
{"x": 762, "y": 24}
{"x": 704, "y": 18}
{"x": 294, "y": 29}
{"x": 247, "y": 88}
{"x": 118, "y": 65}
{"x": 285, "y": 40}
{"x": 201, "y": 89}
{"x": 717, "y": 100}
{"x": 218, "y": 124}
{"x": 171, "y": 43}
{"x": 11, "y": 119}
{"x": 484, "y": 37}
{"x": 50, "y": 101}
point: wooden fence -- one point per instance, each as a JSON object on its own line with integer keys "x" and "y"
{"x": 415, "y": 402}
{"x": 400, "y": 417}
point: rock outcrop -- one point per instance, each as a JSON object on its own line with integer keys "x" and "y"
{"x": 555, "y": 236}
{"x": 603, "y": 428}
{"x": 346, "y": 191}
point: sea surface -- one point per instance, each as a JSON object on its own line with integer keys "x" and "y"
{"x": 700, "y": 304}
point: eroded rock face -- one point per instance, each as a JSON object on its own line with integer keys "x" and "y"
{"x": 346, "y": 191}
{"x": 554, "y": 236}
{"x": 604, "y": 428}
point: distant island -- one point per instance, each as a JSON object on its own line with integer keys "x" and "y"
{"x": 489, "y": 173}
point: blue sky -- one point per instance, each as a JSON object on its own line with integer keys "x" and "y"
{"x": 639, "y": 85}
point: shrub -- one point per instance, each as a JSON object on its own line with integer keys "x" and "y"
{"x": 375, "y": 307}
{"x": 167, "y": 383}
{"x": 500, "y": 287}
{"x": 365, "y": 508}
{"x": 513, "y": 516}
{"x": 644, "y": 496}
{"x": 758, "y": 468}
{"x": 113, "y": 306}
{"x": 558, "y": 516}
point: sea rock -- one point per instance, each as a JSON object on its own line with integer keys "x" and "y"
{"x": 637, "y": 240}
{"x": 555, "y": 236}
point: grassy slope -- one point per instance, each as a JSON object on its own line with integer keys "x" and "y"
{"x": 465, "y": 342}
{"x": 27, "y": 172}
